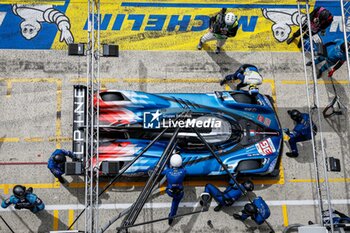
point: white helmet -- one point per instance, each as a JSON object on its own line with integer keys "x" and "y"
{"x": 230, "y": 18}
{"x": 252, "y": 77}
{"x": 176, "y": 160}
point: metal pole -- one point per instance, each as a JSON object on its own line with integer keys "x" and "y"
{"x": 313, "y": 139}
{"x": 324, "y": 157}
{"x": 8, "y": 226}
{"x": 345, "y": 36}
{"x": 136, "y": 209}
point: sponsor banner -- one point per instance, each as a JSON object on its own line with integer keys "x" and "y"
{"x": 154, "y": 25}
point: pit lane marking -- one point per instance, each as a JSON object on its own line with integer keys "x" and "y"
{"x": 161, "y": 205}
{"x": 285, "y": 215}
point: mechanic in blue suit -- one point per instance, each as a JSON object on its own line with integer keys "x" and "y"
{"x": 175, "y": 176}
{"x": 301, "y": 131}
{"x": 24, "y": 199}
{"x": 248, "y": 75}
{"x": 231, "y": 194}
{"x": 56, "y": 163}
{"x": 336, "y": 56}
{"x": 258, "y": 211}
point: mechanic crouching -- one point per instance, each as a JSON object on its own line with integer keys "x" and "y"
{"x": 248, "y": 75}
{"x": 258, "y": 211}
{"x": 175, "y": 176}
{"x": 24, "y": 198}
{"x": 56, "y": 163}
{"x": 227, "y": 198}
{"x": 301, "y": 132}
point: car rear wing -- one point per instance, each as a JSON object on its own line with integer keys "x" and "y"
{"x": 79, "y": 120}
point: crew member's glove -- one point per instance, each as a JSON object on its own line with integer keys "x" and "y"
{"x": 253, "y": 90}
{"x": 330, "y": 73}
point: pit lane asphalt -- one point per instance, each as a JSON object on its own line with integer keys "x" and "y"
{"x": 36, "y": 117}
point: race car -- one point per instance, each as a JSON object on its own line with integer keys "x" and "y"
{"x": 243, "y": 130}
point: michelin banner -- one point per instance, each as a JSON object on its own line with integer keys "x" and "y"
{"x": 155, "y": 25}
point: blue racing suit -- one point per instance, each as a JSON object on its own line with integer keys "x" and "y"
{"x": 231, "y": 194}
{"x": 239, "y": 74}
{"x": 58, "y": 169}
{"x": 301, "y": 132}
{"x": 334, "y": 55}
{"x": 175, "y": 189}
{"x": 30, "y": 201}
{"x": 263, "y": 211}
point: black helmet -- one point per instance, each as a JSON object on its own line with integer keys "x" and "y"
{"x": 248, "y": 185}
{"x": 59, "y": 158}
{"x": 250, "y": 209}
{"x": 295, "y": 115}
{"x": 19, "y": 191}
{"x": 325, "y": 16}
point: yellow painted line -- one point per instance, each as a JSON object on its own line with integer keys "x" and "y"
{"x": 30, "y": 80}
{"x": 60, "y": 139}
{"x": 9, "y": 88}
{"x": 55, "y": 220}
{"x": 9, "y": 139}
{"x": 285, "y": 215}
{"x": 334, "y": 180}
{"x": 6, "y": 189}
{"x": 56, "y": 183}
{"x": 299, "y": 82}
{"x": 33, "y": 139}
{"x": 70, "y": 218}
{"x": 227, "y": 88}
{"x": 58, "y": 112}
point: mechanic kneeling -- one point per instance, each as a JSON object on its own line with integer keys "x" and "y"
{"x": 56, "y": 163}
{"x": 24, "y": 198}
{"x": 175, "y": 176}
{"x": 258, "y": 211}
{"x": 301, "y": 132}
{"x": 231, "y": 194}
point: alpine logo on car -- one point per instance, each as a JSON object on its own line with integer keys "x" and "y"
{"x": 266, "y": 147}
{"x": 152, "y": 120}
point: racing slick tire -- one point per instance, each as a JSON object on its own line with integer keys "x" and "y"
{"x": 248, "y": 165}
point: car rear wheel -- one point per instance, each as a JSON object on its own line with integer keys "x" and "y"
{"x": 248, "y": 165}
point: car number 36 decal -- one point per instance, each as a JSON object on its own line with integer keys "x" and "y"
{"x": 266, "y": 147}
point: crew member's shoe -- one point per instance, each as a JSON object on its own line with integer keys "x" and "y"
{"x": 290, "y": 40}
{"x": 218, "y": 208}
{"x": 223, "y": 82}
{"x": 319, "y": 74}
{"x": 200, "y": 44}
{"x": 237, "y": 217}
{"x": 309, "y": 63}
{"x": 292, "y": 154}
{"x": 217, "y": 50}
{"x": 170, "y": 220}
{"x": 61, "y": 180}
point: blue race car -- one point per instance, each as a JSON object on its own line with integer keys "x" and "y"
{"x": 242, "y": 129}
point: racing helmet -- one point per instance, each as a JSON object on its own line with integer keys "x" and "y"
{"x": 295, "y": 115}
{"x": 59, "y": 159}
{"x": 230, "y": 18}
{"x": 252, "y": 77}
{"x": 250, "y": 209}
{"x": 176, "y": 160}
{"x": 19, "y": 191}
{"x": 248, "y": 185}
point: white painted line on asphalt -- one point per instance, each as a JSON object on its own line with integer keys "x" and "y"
{"x": 160, "y": 205}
